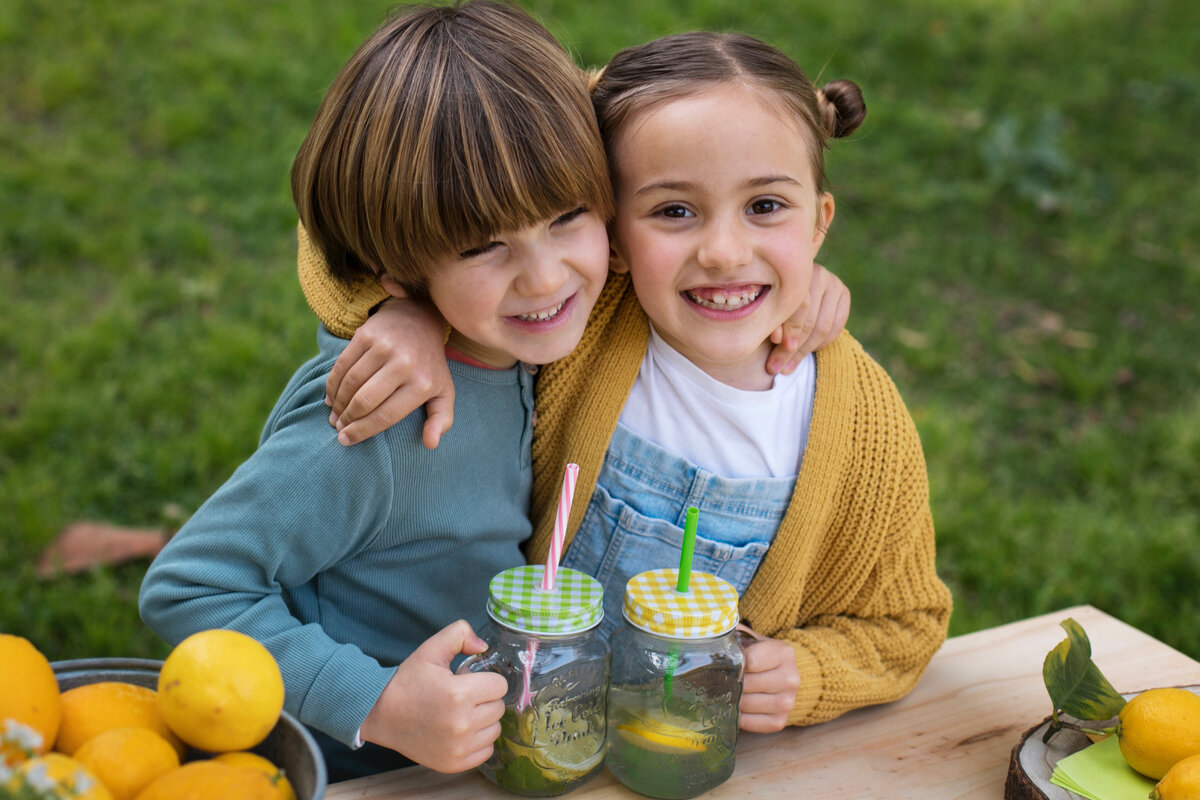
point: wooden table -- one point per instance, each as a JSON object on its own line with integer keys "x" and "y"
{"x": 949, "y": 738}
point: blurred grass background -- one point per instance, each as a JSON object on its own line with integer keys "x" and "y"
{"x": 1017, "y": 220}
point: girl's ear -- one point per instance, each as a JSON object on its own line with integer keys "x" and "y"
{"x": 392, "y": 286}
{"x": 615, "y": 262}
{"x": 825, "y": 209}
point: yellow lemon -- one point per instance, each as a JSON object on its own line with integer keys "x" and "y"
{"x": 28, "y": 689}
{"x": 263, "y": 765}
{"x": 93, "y": 708}
{"x": 208, "y": 779}
{"x": 127, "y": 759}
{"x": 661, "y": 737}
{"x": 68, "y": 777}
{"x": 1182, "y": 781}
{"x": 1157, "y": 728}
{"x": 220, "y": 690}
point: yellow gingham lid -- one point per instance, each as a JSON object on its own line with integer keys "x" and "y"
{"x": 708, "y": 608}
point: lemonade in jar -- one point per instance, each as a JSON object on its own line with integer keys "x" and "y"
{"x": 546, "y": 644}
{"x": 676, "y": 680}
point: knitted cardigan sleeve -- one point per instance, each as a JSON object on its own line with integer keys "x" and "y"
{"x": 850, "y": 580}
{"x": 341, "y": 307}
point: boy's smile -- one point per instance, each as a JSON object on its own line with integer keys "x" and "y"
{"x": 718, "y": 221}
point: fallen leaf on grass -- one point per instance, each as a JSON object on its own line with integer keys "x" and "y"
{"x": 83, "y": 545}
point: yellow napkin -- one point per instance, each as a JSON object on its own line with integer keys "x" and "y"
{"x": 1099, "y": 772}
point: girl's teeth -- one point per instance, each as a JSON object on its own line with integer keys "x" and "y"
{"x": 542, "y": 316}
{"x": 726, "y": 302}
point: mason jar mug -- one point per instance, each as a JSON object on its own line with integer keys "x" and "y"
{"x": 676, "y": 680}
{"x": 545, "y": 643}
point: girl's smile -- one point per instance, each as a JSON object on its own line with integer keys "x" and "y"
{"x": 726, "y": 302}
{"x": 718, "y": 220}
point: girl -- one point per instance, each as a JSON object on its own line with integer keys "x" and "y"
{"x": 811, "y": 487}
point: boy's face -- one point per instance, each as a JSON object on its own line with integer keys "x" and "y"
{"x": 718, "y": 221}
{"x": 525, "y": 295}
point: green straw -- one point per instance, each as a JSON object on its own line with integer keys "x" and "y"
{"x": 689, "y": 544}
{"x": 681, "y": 586}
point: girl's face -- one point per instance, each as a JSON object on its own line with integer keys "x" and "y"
{"x": 718, "y": 222}
{"x": 525, "y": 295}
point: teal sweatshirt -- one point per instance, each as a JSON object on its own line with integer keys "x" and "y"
{"x": 343, "y": 560}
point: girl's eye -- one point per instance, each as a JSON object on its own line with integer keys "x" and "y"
{"x": 674, "y": 212}
{"x": 571, "y": 216}
{"x": 765, "y": 206}
{"x": 475, "y": 252}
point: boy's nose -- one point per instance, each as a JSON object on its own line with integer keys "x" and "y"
{"x": 725, "y": 246}
{"x": 542, "y": 274}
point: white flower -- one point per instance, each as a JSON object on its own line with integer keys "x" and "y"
{"x": 21, "y": 735}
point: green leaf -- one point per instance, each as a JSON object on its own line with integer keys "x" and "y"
{"x": 1074, "y": 682}
{"x": 522, "y": 776}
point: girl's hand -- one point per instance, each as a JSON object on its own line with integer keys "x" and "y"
{"x": 444, "y": 721}
{"x": 395, "y": 363}
{"x": 814, "y": 325}
{"x": 770, "y": 684}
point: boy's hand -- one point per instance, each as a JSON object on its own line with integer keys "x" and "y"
{"x": 814, "y": 325}
{"x": 395, "y": 363}
{"x": 770, "y": 684}
{"x": 444, "y": 721}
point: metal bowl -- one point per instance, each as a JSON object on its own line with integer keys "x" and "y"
{"x": 289, "y": 745}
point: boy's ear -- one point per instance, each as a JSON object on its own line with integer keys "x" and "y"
{"x": 615, "y": 262}
{"x": 392, "y": 286}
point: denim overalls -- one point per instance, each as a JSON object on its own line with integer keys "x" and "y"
{"x": 634, "y": 521}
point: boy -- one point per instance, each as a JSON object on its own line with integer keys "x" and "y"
{"x": 457, "y": 157}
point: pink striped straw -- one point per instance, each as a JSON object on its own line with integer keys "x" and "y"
{"x": 550, "y": 572}
{"x": 560, "y": 527}
{"x": 526, "y": 698}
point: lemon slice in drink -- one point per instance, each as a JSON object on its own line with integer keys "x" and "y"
{"x": 578, "y": 747}
{"x": 563, "y": 762}
{"x": 569, "y": 760}
{"x": 661, "y": 737}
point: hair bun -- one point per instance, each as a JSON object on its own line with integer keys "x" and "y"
{"x": 842, "y": 107}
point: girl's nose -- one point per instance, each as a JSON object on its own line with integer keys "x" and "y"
{"x": 726, "y": 245}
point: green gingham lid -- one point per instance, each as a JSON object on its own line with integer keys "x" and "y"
{"x": 708, "y": 608}
{"x": 516, "y": 600}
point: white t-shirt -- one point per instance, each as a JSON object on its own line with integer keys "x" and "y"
{"x": 734, "y": 433}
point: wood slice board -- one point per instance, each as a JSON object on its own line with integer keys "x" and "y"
{"x": 1031, "y": 762}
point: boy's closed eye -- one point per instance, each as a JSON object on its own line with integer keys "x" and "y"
{"x": 571, "y": 216}
{"x": 478, "y": 250}
{"x": 485, "y": 248}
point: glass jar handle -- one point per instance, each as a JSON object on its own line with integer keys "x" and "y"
{"x": 745, "y": 637}
{"x": 489, "y": 660}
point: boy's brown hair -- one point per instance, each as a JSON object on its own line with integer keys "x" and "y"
{"x": 450, "y": 124}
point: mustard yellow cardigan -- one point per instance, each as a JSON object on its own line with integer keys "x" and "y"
{"x": 849, "y": 581}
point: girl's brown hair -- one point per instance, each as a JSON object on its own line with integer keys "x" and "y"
{"x": 665, "y": 69}
{"x": 449, "y": 125}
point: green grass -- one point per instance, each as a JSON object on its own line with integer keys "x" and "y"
{"x": 1017, "y": 221}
